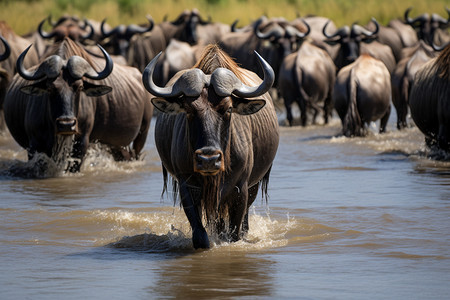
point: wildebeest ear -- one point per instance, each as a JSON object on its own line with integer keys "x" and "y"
{"x": 368, "y": 40}
{"x": 93, "y": 90}
{"x": 332, "y": 42}
{"x": 37, "y": 89}
{"x": 167, "y": 107}
{"x": 247, "y": 107}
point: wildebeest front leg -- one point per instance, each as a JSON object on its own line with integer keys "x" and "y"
{"x": 199, "y": 235}
{"x": 78, "y": 152}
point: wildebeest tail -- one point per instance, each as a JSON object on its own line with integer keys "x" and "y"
{"x": 352, "y": 124}
{"x": 265, "y": 185}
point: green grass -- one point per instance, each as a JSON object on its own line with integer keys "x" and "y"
{"x": 24, "y": 15}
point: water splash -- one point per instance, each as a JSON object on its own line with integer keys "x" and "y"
{"x": 169, "y": 231}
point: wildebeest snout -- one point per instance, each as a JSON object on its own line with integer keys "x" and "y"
{"x": 208, "y": 161}
{"x": 66, "y": 126}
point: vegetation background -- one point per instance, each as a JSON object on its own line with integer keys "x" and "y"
{"x": 24, "y": 15}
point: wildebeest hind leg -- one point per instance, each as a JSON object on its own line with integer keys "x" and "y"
{"x": 252, "y": 192}
{"x": 139, "y": 141}
{"x": 384, "y": 120}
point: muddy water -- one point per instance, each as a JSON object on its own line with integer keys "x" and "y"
{"x": 346, "y": 219}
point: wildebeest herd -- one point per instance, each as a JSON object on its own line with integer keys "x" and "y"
{"x": 83, "y": 81}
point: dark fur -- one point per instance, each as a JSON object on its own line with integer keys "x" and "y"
{"x": 429, "y": 100}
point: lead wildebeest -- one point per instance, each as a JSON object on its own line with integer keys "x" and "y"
{"x": 362, "y": 94}
{"x": 217, "y": 137}
{"x": 64, "y": 96}
{"x": 429, "y": 100}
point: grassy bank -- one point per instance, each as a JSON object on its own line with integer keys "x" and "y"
{"x": 24, "y": 15}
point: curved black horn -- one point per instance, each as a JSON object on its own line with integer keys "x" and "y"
{"x": 7, "y": 52}
{"x": 41, "y": 31}
{"x": 301, "y": 35}
{"x": 233, "y": 26}
{"x": 439, "y": 48}
{"x": 105, "y": 33}
{"x": 439, "y": 19}
{"x": 343, "y": 31}
{"x": 377, "y": 27}
{"x": 204, "y": 22}
{"x": 190, "y": 83}
{"x": 147, "y": 80}
{"x": 410, "y": 21}
{"x": 357, "y": 29}
{"x": 106, "y": 71}
{"x": 269, "y": 77}
{"x": 133, "y": 29}
{"x": 90, "y": 34}
{"x": 23, "y": 72}
{"x": 50, "y": 21}
{"x": 273, "y": 33}
{"x": 181, "y": 18}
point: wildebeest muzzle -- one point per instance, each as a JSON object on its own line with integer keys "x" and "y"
{"x": 66, "y": 126}
{"x": 208, "y": 161}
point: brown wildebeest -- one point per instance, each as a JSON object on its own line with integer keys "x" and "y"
{"x": 362, "y": 94}
{"x": 217, "y": 137}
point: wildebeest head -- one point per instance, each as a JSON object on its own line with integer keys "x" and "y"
{"x": 62, "y": 82}
{"x": 187, "y": 22}
{"x": 349, "y": 40}
{"x": 427, "y": 25}
{"x": 121, "y": 35}
{"x": 209, "y": 94}
{"x": 281, "y": 34}
{"x": 70, "y": 27}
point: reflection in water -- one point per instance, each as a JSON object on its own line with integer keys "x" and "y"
{"x": 220, "y": 273}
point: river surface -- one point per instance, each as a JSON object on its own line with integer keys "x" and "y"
{"x": 346, "y": 218}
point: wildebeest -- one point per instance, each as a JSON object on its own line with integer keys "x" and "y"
{"x": 316, "y": 23}
{"x": 64, "y": 96}
{"x": 431, "y": 29}
{"x": 119, "y": 37}
{"x": 11, "y": 46}
{"x": 67, "y": 26}
{"x": 430, "y": 100}
{"x": 185, "y": 28}
{"x": 358, "y": 40}
{"x": 273, "y": 38}
{"x": 217, "y": 137}
{"x": 403, "y": 77}
{"x": 307, "y": 77}
{"x": 396, "y": 35}
{"x": 362, "y": 94}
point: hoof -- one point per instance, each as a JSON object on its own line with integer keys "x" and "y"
{"x": 200, "y": 239}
